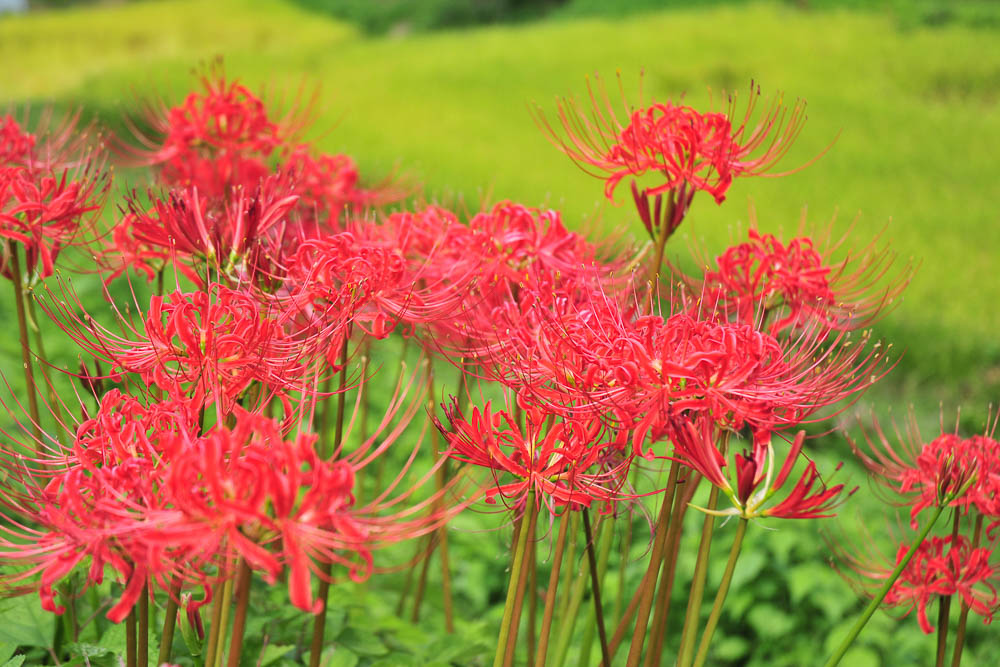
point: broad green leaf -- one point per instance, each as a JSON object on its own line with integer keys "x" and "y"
{"x": 770, "y": 622}
{"x": 861, "y": 656}
{"x": 23, "y": 622}
{"x": 16, "y": 661}
{"x": 730, "y": 648}
{"x": 339, "y": 657}
{"x": 273, "y": 653}
{"x": 362, "y": 642}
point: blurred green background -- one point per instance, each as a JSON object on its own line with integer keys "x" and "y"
{"x": 439, "y": 91}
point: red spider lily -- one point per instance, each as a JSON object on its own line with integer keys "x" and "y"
{"x": 16, "y": 145}
{"x": 368, "y": 274}
{"x": 751, "y": 482}
{"x": 941, "y": 566}
{"x": 562, "y": 462}
{"x": 329, "y": 185}
{"x": 205, "y": 345}
{"x": 98, "y": 499}
{"x": 46, "y": 213}
{"x": 785, "y": 285}
{"x": 590, "y": 353}
{"x": 53, "y": 144}
{"x": 273, "y": 501}
{"x": 216, "y": 139}
{"x": 141, "y": 492}
{"x": 48, "y": 186}
{"x": 690, "y": 150}
{"x": 946, "y": 471}
{"x": 236, "y": 236}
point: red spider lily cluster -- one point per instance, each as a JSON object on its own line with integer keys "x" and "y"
{"x": 929, "y": 476}
{"x": 206, "y": 444}
{"x": 217, "y": 442}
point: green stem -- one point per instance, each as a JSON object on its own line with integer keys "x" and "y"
{"x": 532, "y": 602}
{"x": 693, "y": 614}
{"x": 214, "y": 629}
{"x": 880, "y": 595}
{"x": 131, "y": 650}
{"x": 571, "y": 609}
{"x": 13, "y": 251}
{"x": 227, "y": 602}
{"x": 239, "y": 621}
{"x": 944, "y": 601}
{"x": 55, "y": 407}
{"x": 649, "y": 584}
{"x": 522, "y": 585}
{"x": 169, "y": 622}
{"x": 515, "y": 579}
{"x": 720, "y": 596}
{"x": 669, "y": 568}
{"x": 963, "y": 618}
{"x": 550, "y": 591}
{"x": 595, "y": 584}
{"x": 143, "y": 639}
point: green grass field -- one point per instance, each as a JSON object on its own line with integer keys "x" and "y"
{"x": 913, "y": 113}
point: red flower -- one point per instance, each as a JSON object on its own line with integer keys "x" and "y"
{"x": 688, "y": 149}
{"x": 47, "y": 189}
{"x": 751, "y": 482}
{"x": 948, "y": 470}
{"x": 940, "y": 567}
{"x": 237, "y": 236}
{"x": 785, "y": 285}
{"x": 563, "y": 462}
{"x": 207, "y": 346}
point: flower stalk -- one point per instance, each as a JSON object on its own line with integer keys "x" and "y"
{"x": 720, "y": 596}
{"x": 516, "y": 579}
{"x": 838, "y": 654}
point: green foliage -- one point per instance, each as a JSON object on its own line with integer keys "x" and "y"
{"x": 401, "y": 16}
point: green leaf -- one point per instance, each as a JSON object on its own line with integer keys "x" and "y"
{"x": 362, "y": 642}
{"x": 861, "y": 656}
{"x": 6, "y": 650}
{"x": 113, "y": 639}
{"x": 16, "y": 661}
{"x": 339, "y": 657}
{"x": 86, "y": 650}
{"x": 399, "y": 660}
{"x": 730, "y": 649}
{"x": 273, "y": 653}
{"x": 23, "y": 622}
{"x": 770, "y": 622}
